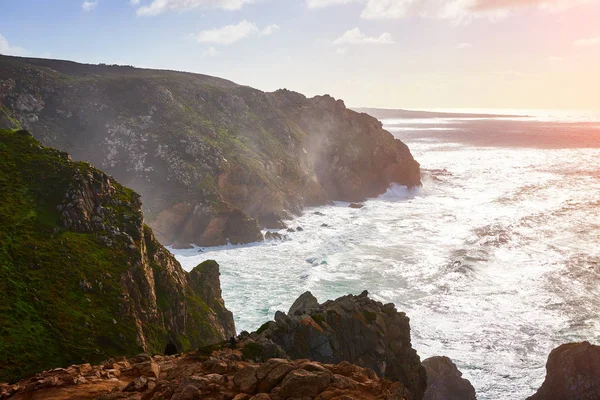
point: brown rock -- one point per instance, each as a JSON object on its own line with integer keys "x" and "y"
{"x": 219, "y": 368}
{"x": 261, "y": 396}
{"x": 189, "y": 392}
{"x": 272, "y": 373}
{"x": 246, "y": 379}
{"x": 148, "y": 368}
{"x": 445, "y": 381}
{"x": 137, "y": 385}
{"x": 85, "y": 368}
{"x": 302, "y": 383}
{"x": 572, "y": 373}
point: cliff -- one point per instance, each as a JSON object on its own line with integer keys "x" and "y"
{"x": 213, "y": 160}
{"x": 81, "y": 277}
{"x": 353, "y": 329}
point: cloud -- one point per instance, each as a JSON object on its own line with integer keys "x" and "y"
{"x": 9, "y": 50}
{"x": 460, "y": 10}
{"x": 269, "y": 30}
{"x": 210, "y": 52}
{"x": 464, "y": 46}
{"x": 89, "y": 5}
{"x": 230, "y": 34}
{"x": 555, "y": 58}
{"x": 134, "y": 2}
{"x": 161, "y": 6}
{"x": 326, "y": 3}
{"x": 341, "y": 50}
{"x": 587, "y": 42}
{"x": 355, "y": 36}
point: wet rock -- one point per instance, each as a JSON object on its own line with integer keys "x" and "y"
{"x": 445, "y": 381}
{"x": 572, "y": 373}
{"x": 356, "y": 205}
{"x": 275, "y": 236}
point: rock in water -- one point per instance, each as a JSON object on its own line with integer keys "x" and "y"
{"x": 445, "y": 381}
{"x": 82, "y": 278}
{"x": 356, "y": 205}
{"x": 355, "y": 329}
{"x": 572, "y": 373}
{"x": 209, "y": 157}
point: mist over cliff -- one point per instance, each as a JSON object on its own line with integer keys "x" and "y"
{"x": 213, "y": 160}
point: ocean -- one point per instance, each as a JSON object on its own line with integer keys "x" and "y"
{"x": 496, "y": 259}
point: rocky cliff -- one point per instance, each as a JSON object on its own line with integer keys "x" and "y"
{"x": 354, "y": 329}
{"x": 212, "y": 159}
{"x": 81, "y": 277}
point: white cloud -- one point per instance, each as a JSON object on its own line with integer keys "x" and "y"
{"x": 587, "y": 42}
{"x": 210, "y": 52}
{"x": 134, "y": 2}
{"x": 459, "y": 10}
{"x": 326, "y": 3}
{"x": 9, "y": 50}
{"x": 89, "y": 5}
{"x": 230, "y": 34}
{"x": 341, "y": 50}
{"x": 464, "y": 46}
{"x": 355, "y": 36}
{"x": 269, "y": 30}
{"x": 161, "y": 6}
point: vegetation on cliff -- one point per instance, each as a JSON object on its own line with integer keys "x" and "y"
{"x": 210, "y": 157}
{"x": 81, "y": 277}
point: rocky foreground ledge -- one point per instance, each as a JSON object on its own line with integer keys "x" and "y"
{"x": 222, "y": 375}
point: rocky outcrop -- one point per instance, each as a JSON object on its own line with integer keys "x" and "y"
{"x": 445, "y": 381}
{"x": 572, "y": 373}
{"x": 222, "y": 375}
{"x": 82, "y": 277}
{"x": 209, "y": 157}
{"x": 354, "y": 329}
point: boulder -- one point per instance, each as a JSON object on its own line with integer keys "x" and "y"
{"x": 352, "y": 328}
{"x": 246, "y": 379}
{"x": 572, "y": 373}
{"x": 304, "y": 304}
{"x": 301, "y": 383}
{"x": 445, "y": 381}
{"x": 356, "y": 205}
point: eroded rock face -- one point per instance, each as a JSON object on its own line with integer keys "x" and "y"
{"x": 355, "y": 329}
{"x": 192, "y": 377}
{"x": 445, "y": 381}
{"x": 91, "y": 276}
{"x": 572, "y": 373}
{"x": 202, "y": 150}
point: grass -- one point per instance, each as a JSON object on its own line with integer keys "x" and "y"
{"x": 46, "y": 317}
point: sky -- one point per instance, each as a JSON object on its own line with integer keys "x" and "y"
{"x": 416, "y": 54}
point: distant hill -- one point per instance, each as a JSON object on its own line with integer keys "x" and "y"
{"x": 387, "y": 113}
